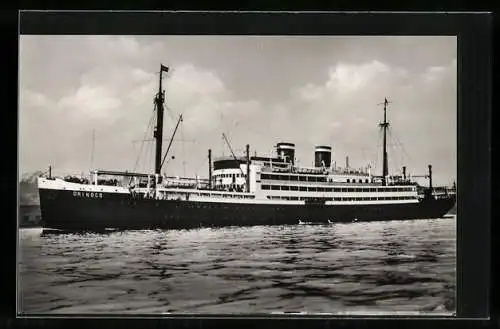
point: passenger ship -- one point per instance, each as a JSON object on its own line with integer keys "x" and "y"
{"x": 240, "y": 191}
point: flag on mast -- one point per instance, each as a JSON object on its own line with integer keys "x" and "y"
{"x": 164, "y": 68}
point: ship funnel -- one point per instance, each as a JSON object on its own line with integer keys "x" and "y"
{"x": 322, "y": 156}
{"x": 286, "y": 151}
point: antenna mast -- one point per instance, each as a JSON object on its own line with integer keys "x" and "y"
{"x": 158, "y": 132}
{"x": 93, "y": 150}
{"x": 384, "y": 125}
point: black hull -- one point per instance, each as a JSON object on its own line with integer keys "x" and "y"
{"x": 62, "y": 210}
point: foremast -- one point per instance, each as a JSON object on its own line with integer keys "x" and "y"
{"x": 158, "y": 131}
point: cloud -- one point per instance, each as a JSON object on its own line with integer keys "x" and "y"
{"x": 350, "y": 78}
{"x": 345, "y": 111}
{"x": 91, "y": 102}
{"x": 107, "y": 83}
{"x": 33, "y": 99}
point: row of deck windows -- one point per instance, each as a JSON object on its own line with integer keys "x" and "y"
{"x": 304, "y": 178}
{"x": 229, "y": 175}
{"x": 335, "y": 189}
{"x": 293, "y": 198}
{"x": 234, "y": 196}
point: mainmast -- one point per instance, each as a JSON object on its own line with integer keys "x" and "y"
{"x": 158, "y": 132}
{"x": 385, "y": 125}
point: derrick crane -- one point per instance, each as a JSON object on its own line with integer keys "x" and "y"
{"x": 232, "y": 153}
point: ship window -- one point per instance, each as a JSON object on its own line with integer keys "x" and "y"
{"x": 285, "y": 188}
{"x": 265, "y": 187}
{"x": 302, "y": 178}
{"x": 336, "y": 189}
{"x": 361, "y": 181}
{"x": 294, "y": 188}
{"x": 264, "y": 176}
{"x": 294, "y": 178}
{"x": 275, "y": 187}
{"x": 348, "y": 180}
{"x": 366, "y": 190}
{"x": 311, "y": 189}
{"x": 312, "y": 179}
{"x": 366, "y": 180}
{"x": 303, "y": 188}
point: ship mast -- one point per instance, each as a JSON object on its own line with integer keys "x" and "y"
{"x": 384, "y": 125}
{"x": 158, "y": 132}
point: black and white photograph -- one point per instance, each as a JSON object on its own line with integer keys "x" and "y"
{"x": 237, "y": 174}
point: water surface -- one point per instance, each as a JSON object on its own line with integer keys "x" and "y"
{"x": 357, "y": 268}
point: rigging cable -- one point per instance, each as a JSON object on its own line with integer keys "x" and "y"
{"x": 147, "y": 129}
{"x": 143, "y": 140}
{"x": 391, "y": 162}
{"x": 402, "y": 147}
{"x": 395, "y": 144}
{"x": 183, "y": 150}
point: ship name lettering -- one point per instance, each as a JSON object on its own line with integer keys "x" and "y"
{"x": 95, "y": 195}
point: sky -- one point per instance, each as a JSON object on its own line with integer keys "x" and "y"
{"x": 257, "y": 90}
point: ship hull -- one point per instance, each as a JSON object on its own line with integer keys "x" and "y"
{"x": 60, "y": 209}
